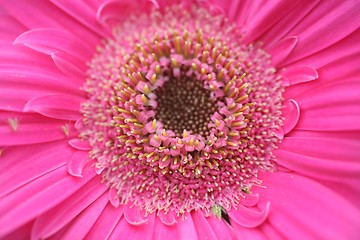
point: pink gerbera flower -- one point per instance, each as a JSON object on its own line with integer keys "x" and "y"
{"x": 190, "y": 119}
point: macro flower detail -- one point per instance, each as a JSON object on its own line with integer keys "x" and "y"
{"x": 186, "y": 117}
{"x": 179, "y": 119}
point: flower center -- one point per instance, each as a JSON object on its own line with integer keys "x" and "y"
{"x": 185, "y": 105}
{"x": 181, "y": 117}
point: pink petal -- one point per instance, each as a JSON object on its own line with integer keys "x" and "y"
{"x": 134, "y": 215}
{"x": 18, "y": 84}
{"x": 106, "y": 222}
{"x": 83, "y": 13}
{"x": 69, "y": 65}
{"x": 21, "y": 128}
{"x": 221, "y": 228}
{"x": 9, "y": 27}
{"x": 281, "y": 50}
{"x": 299, "y": 74}
{"x": 40, "y": 14}
{"x": 203, "y": 228}
{"x": 327, "y": 27}
{"x": 76, "y": 163}
{"x": 291, "y": 18}
{"x": 248, "y": 233}
{"x": 66, "y": 107}
{"x": 82, "y": 224}
{"x": 50, "y": 41}
{"x": 325, "y": 158}
{"x": 307, "y": 209}
{"x": 20, "y": 165}
{"x": 37, "y": 197}
{"x": 114, "y": 11}
{"x": 114, "y": 198}
{"x": 163, "y": 231}
{"x": 183, "y": 229}
{"x": 334, "y": 53}
{"x": 270, "y": 232}
{"x": 56, "y": 218}
{"x": 334, "y": 108}
{"x": 80, "y": 144}
{"x": 22, "y": 233}
{"x": 266, "y": 16}
{"x": 168, "y": 218}
{"x": 238, "y": 11}
{"x": 249, "y": 217}
{"x": 249, "y": 200}
{"x": 291, "y": 113}
{"x": 140, "y": 232}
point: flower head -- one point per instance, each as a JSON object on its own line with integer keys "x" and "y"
{"x": 179, "y": 119}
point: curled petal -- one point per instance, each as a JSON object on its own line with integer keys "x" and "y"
{"x": 299, "y": 74}
{"x": 114, "y": 198}
{"x": 134, "y": 216}
{"x": 249, "y": 200}
{"x": 249, "y": 217}
{"x": 291, "y": 112}
{"x": 76, "y": 163}
{"x": 168, "y": 218}
{"x": 80, "y": 145}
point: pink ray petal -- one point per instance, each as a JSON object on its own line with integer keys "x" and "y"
{"x": 20, "y": 129}
{"x": 329, "y": 75}
{"x": 270, "y": 232}
{"x": 83, "y": 13}
{"x": 36, "y": 197}
{"x": 112, "y": 11}
{"x": 334, "y": 53}
{"x": 324, "y": 158}
{"x": 327, "y": 27}
{"x": 134, "y": 215}
{"x": 221, "y": 228}
{"x": 76, "y": 163}
{"x": 66, "y": 107}
{"x": 312, "y": 205}
{"x": 82, "y": 224}
{"x": 9, "y": 28}
{"x": 291, "y": 18}
{"x": 249, "y": 200}
{"x": 267, "y": 15}
{"x": 40, "y": 14}
{"x": 80, "y": 144}
{"x": 57, "y": 217}
{"x": 114, "y": 198}
{"x": 183, "y": 229}
{"x": 50, "y": 41}
{"x": 163, "y": 231}
{"x": 238, "y": 11}
{"x": 248, "y": 233}
{"x": 299, "y": 74}
{"x": 70, "y": 66}
{"x": 168, "y": 218}
{"x": 249, "y": 217}
{"x": 282, "y": 49}
{"x": 22, "y": 233}
{"x": 20, "y": 165}
{"x": 351, "y": 192}
{"x": 330, "y": 94}
{"x": 140, "y": 232}
{"x": 203, "y": 228}
{"x": 106, "y": 222}
{"x": 291, "y": 113}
